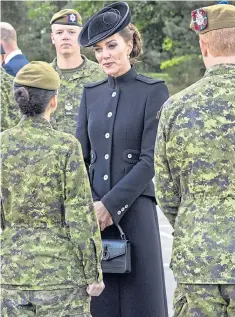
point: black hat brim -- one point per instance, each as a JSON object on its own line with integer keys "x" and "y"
{"x": 124, "y": 10}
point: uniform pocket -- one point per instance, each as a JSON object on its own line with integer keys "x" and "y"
{"x": 180, "y": 303}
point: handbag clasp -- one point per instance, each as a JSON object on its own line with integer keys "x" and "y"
{"x": 105, "y": 254}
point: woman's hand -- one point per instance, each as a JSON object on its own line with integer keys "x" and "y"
{"x": 104, "y": 217}
{"x": 95, "y": 289}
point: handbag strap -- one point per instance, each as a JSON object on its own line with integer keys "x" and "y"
{"x": 122, "y": 234}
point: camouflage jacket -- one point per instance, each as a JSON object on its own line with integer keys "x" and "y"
{"x": 195, "y": 177}
{"x": 70, "y": 94}
{"x": 10, "y": 114}
{"x": 51, "y": 238}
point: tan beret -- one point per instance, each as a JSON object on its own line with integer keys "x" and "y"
{"x": 38, "y": 75}
{"x": 214, "y": 17}
{"x": 67, "y": 17}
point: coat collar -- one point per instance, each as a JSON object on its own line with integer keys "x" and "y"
{"x": 221, "y": 69}
{"x": 123, "y": 80}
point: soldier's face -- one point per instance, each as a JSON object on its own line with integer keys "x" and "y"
{"x": 65, "y": 38}
{"x": 112, "y": 54}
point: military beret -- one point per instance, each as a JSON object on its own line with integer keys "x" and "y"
{"x": 67, "y": 17}
{"x": 214, "y": 17}
{"x": 38, "y": 75}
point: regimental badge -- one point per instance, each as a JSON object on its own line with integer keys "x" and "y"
{"x": 68, "y": 107}
{"x": 72, "y": 18}
{"x": 199, "y": 20}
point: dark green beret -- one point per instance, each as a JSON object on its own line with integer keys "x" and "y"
{"x": 38, "y": 75}
{"x": 214, "y": 17}
{"x": 67, "y": 17}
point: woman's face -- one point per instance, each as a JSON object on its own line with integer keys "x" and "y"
{"x": 112, "y": 54}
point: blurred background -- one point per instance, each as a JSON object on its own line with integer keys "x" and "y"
{"x": 171, "y": 50}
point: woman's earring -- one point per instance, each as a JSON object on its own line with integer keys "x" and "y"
{"x": 128, "y": 56}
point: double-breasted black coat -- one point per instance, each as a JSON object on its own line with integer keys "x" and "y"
{"x": 117, "y": 125}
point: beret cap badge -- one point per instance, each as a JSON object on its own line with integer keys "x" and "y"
{"x": 199, "y": 19}
{"x": 72, "y": 18}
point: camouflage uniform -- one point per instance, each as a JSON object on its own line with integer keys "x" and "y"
{"x": 10, "y": 114}
{"x": 195, "y": 179}
{"x": 70, "y": 94}
{"x": 51, "y": 239}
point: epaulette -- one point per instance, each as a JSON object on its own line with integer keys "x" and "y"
{"x": 148, "y": 80}
{"x": 96, "y": 83}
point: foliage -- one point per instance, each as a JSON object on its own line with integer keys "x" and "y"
{"x": 168, "y": 43}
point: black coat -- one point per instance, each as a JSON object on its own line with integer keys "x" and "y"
{"x": 117, "y": 128}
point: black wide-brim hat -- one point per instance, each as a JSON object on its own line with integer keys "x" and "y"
{"x": 106, "y": 22}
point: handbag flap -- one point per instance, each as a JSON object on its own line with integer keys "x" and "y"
{"x": 113, "y": 249}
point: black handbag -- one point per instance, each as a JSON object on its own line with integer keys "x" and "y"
{"x": 116, "y": 257}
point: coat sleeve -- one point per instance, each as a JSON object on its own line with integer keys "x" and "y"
{"x": 80, "y": 216}
{"x": 166, "y": 186}
{"x": 129, "y": 188}
{"x": 82, "y": 136}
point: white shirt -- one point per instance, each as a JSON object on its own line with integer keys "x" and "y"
{"x": 11, "y": 55}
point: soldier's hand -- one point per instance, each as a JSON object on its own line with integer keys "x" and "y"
{"x": 95, "y": 289}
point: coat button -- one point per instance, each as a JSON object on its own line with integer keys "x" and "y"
{"x": 106, "y": 177}
{"x": 110, "y": 114}
{"x": 106, "y": 156}
{"x": 129, "y": 156}
{"x": 122, "y": 209}
{"x": 114, "y": 94}
{"x": 119, "y": 212}
{"x": 107, "y": 135}
{"x": 126, "y": 206}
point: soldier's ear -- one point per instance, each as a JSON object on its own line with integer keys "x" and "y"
{"x": 52, "y": 38}
{"x": 204, "y": 48}
{"x": 53, "y": 103}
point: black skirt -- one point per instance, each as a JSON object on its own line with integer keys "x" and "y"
{"x": 140, "y": 293}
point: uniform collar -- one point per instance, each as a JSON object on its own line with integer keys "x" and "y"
{"x": 123, "y": 80}
{"x": 221, "y": 69}
{"x": 83, "y": 71}
{"x": 36, "y": 121}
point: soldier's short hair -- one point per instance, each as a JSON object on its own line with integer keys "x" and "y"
{"x": 220, "y": 42}
{"x": 8, "y": 33}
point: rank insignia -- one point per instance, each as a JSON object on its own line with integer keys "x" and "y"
{"x": 199, "y": 20}
{"x": 72, "y": 18}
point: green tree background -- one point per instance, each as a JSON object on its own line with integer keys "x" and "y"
{"x": 170, "y": 48}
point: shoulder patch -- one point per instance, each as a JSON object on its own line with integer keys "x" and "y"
{"x": 96, "y": 83}
{"x": 148, "y": 80}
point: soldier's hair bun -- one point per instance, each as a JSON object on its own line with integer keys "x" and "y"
{"x": 21, "y": 96}
{"x": 131, "y": 33}
{"x": 33, "y": 101}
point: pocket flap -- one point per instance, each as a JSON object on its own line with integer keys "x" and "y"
{"x": 113, "y": 249}
{"x": 131, "y": 156}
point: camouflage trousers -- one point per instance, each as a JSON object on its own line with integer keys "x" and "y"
{"x": 54, "y": 303}
{"x": 195, "y": 300}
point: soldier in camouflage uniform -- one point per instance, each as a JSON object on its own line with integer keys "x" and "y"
{"x": 74, "y": 69}
{"x": 50, "y": 244}
{"x": 10, "y": 114}
{"x": 195, "y": 173}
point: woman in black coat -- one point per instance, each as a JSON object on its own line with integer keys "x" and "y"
{"x": 117, "y": 127}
